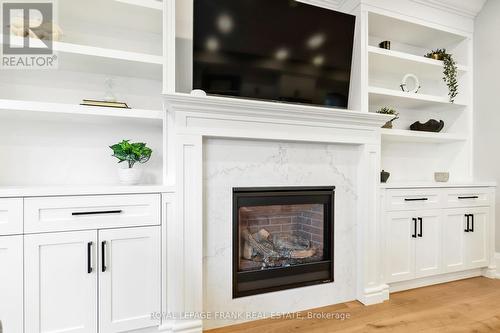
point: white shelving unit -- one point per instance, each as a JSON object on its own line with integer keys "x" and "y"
{"x": 426, "y": 152}
{"x": 40, "y": 110}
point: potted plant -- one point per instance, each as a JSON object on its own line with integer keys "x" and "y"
{"x": 450, "y": 71}
{"x": 131, "y": 153}
{"x": 390, "y": 111}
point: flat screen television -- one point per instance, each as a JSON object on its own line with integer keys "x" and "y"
{"x": 279, "y": 50}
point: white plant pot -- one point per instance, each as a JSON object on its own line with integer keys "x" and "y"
{"x": 129, "y": 176}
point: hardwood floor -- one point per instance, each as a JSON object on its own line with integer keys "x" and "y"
{"x": 471, "y": 305}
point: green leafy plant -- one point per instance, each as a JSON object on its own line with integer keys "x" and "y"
{"x": 450, "y": 71}
{"x": 390, "y": 111}
{"x": 131, "y": 152}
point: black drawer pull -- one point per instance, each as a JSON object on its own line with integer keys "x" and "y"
{"x": 417, "y": 199}
{"x": 89, "y": 257}
{"x": 471, "y": 197}
{"x": 98, "y": 212}
{"x": 414, "y": 228}
{"x": 421, "y": 233}
{"x": 103, "y": 256}
{"x": 472, "y": 217}
{"x": 467, "y": 219}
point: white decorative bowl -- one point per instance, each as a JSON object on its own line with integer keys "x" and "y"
{"x": 441, "y": 177}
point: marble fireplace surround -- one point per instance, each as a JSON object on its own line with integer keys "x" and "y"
{"x": 211, "y": 141}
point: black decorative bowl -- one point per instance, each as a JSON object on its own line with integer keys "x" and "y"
{"x": 431, "y": 126}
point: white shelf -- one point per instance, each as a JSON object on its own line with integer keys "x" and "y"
{"x": 396, "y": 135}
{"x": 389, "y": 61}
{"x": 388, "y": 97}
{"x": 404, "y": 31}
{"x": 17, "y": 106}
{"x": 426, "y": 184}
{"x": 42, "y": 191}
{"x": 153, "y": 4}
{"x": 94, "y": 51}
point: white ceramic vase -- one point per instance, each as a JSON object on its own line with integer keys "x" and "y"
{"x": 129, "y": 176}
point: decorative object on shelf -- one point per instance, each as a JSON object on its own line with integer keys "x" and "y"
{"x": 93, "y": 102}
{"x": 198, "y": 93}
{"x": 430, "y": 126}
{"x": 389, "y": 111}
{"x": 44, "y": 30}
{"x": 130, "y": 153}
{"x": 450, "y": 71}
{"x": 441, "y": 177}
{"x": 109, "y": 95}
{"x": 407, "y": 86}
{"x": 384, "y": 176}
{"x": 386, "y": 44}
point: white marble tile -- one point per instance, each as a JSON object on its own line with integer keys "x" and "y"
{"x": 245, "y": 163}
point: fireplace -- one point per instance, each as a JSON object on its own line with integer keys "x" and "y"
{"x": 282, "y": 238}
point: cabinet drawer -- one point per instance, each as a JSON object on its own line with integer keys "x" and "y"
{"x": 468, "y": 197}
{"x": 411, "y": 199}
{"x": 90, "y": 212}
{"x": 11, "y": 216}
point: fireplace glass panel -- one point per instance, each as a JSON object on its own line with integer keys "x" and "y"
{"x": 278, "y": 236}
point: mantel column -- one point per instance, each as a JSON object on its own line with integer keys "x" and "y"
{"x": 371, "y": 287}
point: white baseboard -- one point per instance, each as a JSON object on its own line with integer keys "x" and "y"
{"x": 182, "y": 326}
{"x": 432, "y": 280}
{"x": 374, "y": 295}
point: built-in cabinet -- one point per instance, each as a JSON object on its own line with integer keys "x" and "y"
{"x": 436, "y": 231}
{"x": 106, "y": 279}
{"x": 11, "y": 283}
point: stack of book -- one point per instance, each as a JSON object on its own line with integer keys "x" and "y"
{"x": 91, "y": 102}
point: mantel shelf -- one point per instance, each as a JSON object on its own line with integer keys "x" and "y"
{"x": 81, "y": 110}
{"x": 229, "y": 108}
{"x": 383, "y": 97}
{"x": 397, "y": 135}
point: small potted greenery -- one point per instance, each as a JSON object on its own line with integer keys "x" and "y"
{"x": 130, "y": 153}
{"x": 450, "y": 71}
{"x": 389, "y": 111}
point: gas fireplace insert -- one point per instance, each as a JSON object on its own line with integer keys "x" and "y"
{"x": 282, "y": 238}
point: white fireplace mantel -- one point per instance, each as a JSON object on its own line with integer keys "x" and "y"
{"x": 191, "y": 119}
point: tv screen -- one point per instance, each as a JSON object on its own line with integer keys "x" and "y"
{"x": 279, "y": 50}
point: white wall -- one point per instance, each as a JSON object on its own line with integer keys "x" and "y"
{"x": 487, "y": 110}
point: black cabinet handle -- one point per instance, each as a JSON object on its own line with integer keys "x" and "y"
{"x": 103, "y": 256}
{"x": 414, "y": 228}
{"x": 471, "y": 197}
{"x": 89, "y": 257}
{"x": 421, "y": 227}
{"x": 97, "y": 212}
{"x": 472, "y": 220}
{"x": 467, "y": 216}
{"x": 416, "y": 199}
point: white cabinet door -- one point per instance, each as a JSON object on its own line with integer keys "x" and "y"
{"x": 11, "y": 283}
{"x": 428, "y": 244}
{"x": 454, "y": 240}
{"x": 400, "y": 246}
{"x": 60, "y": 289}
{"x": 129, "y": 278}
{"x": 476, "y": 244}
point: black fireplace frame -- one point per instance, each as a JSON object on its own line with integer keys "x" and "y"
{"x": 321, "y": 272}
